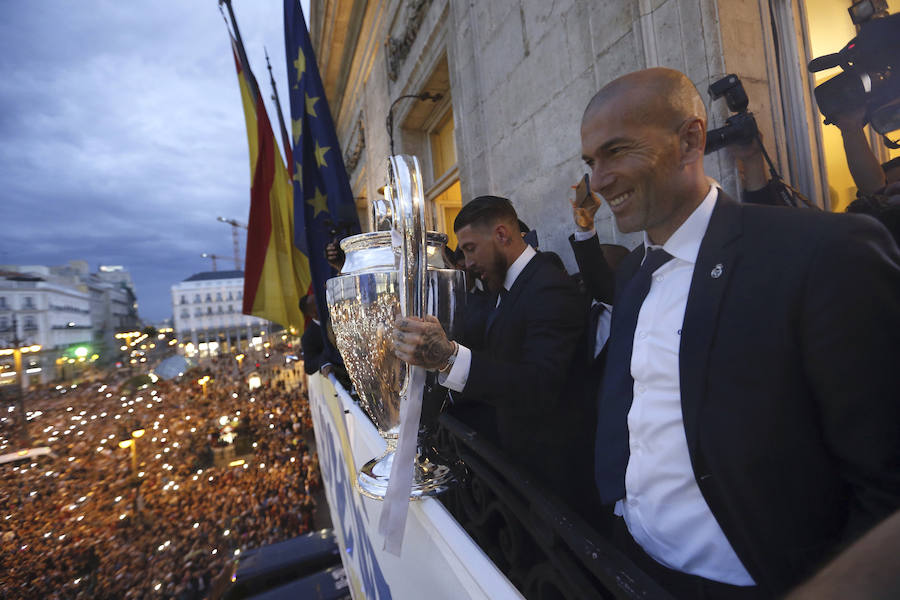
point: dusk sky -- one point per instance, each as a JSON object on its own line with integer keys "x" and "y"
{"x": 123, "y": 135}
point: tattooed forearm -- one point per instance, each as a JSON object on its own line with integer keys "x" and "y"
{"x": 434, "y": 350}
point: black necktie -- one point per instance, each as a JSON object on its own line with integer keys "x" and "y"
{"x": 617, "y": 391}
{"x": 493, "y": 315}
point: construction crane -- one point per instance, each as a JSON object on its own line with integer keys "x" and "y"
{"x": 214, "y": 258}
{"x": 235, "y": 225}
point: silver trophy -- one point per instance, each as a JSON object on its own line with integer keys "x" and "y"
{"x": 386, "y": 274}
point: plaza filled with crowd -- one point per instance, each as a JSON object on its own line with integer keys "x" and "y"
{"x": 218, "y": 470}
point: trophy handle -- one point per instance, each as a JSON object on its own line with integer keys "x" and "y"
{"x": 408, "y": 236}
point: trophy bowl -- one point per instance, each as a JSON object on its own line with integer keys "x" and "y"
{"x": 363, "y": 303}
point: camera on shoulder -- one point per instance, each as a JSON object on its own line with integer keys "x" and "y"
{"x": 868, "y": 76}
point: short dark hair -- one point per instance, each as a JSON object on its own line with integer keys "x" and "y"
{"x": 305, "y": 302}
{"x": 485, "y": 210}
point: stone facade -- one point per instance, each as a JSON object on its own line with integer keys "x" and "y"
{"x": 517, "y": 75}
{"x": 207, "y": 307}
{"x": 50, "y": 314}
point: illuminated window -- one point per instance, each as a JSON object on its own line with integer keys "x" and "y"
{"x": 445, "y": 197}
{"x": 443, "y": 147}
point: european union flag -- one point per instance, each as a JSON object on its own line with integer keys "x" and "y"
{"x": 323, "y": 200}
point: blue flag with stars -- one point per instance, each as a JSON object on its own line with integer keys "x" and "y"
{"x": 323, "y": 202}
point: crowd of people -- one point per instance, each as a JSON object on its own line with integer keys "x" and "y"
{"x": 80, "y": 523}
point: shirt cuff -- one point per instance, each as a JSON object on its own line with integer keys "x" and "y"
{"x": 581, "y": 236}
{"x": 459, "y": 373}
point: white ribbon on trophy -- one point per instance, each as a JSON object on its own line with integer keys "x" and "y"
{"x": 407, "y": 237}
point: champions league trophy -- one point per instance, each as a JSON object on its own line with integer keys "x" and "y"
{"x": 386, "y": 274}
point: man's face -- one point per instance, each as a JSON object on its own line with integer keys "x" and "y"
{"x": 633, "y": 165}
{"x": 483, "y": 257}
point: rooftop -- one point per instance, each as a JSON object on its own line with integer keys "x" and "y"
{"x": 208, "y": 275}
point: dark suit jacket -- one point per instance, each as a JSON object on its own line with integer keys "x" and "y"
{"x": 789, "y": 381}
{"x": 598, "y": 277}
{"x": 523, "y": 367}
{"x": 316, "y": 352}
{"x": 480, "y": 416}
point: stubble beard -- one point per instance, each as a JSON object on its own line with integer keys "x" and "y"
{"x": 497, "y": 272}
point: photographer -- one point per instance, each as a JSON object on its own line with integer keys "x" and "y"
{"x": 865, "y": 91}
{"x": 861, "y": 160}
{"x": 741, "y": 135}
{"x": 755, "y": 184}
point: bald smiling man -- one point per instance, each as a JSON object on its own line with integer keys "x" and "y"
{"x": 748, "y": 420}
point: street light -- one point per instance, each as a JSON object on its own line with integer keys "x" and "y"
{"x": 17, "y": 350}
{"x": 254, "y": 381}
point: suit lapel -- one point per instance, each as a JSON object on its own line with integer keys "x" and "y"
{"x": 512, "y": 296}
{"x": 716, "y": 264}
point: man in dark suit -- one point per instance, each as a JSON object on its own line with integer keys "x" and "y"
{"x": 318, "y": 353}
{"x": 748, "y": 420}
{"x": 520, "y": 365}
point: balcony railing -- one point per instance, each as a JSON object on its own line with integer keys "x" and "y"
{"x": 543, "y": 547}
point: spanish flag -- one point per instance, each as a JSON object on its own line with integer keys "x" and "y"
{"x": 277, "y": 274}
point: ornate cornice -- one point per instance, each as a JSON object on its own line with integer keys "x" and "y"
{"x": 398, "y": 48}
{"x": 351, "y": 158}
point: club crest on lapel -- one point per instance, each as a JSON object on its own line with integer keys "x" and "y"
{"x": 717, "y": 271}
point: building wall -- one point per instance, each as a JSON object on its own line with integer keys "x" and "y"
{"x": 51, "y": 315}
{"x": 205, "y": 308}
{"x": 520, "y": 73}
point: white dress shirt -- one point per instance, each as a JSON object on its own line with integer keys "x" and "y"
{"x": 663, "y": 506}
{"x": 459, "y": 373}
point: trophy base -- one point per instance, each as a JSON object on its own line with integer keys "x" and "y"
{"x": 429, "y": 479}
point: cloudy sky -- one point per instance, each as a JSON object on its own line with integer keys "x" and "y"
{"x": 123, "y": 134}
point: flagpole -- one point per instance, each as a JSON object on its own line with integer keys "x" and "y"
{"x": 251, "y": 80}
{"x": 285, "y": 140}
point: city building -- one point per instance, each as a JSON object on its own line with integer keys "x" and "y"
{"x": 71, "y": 313}
{"x": 514, "y": 78}
{"x": 207, "y": 311}
{"x": 114, "y": 307}
{"x": 34, "y": 310}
